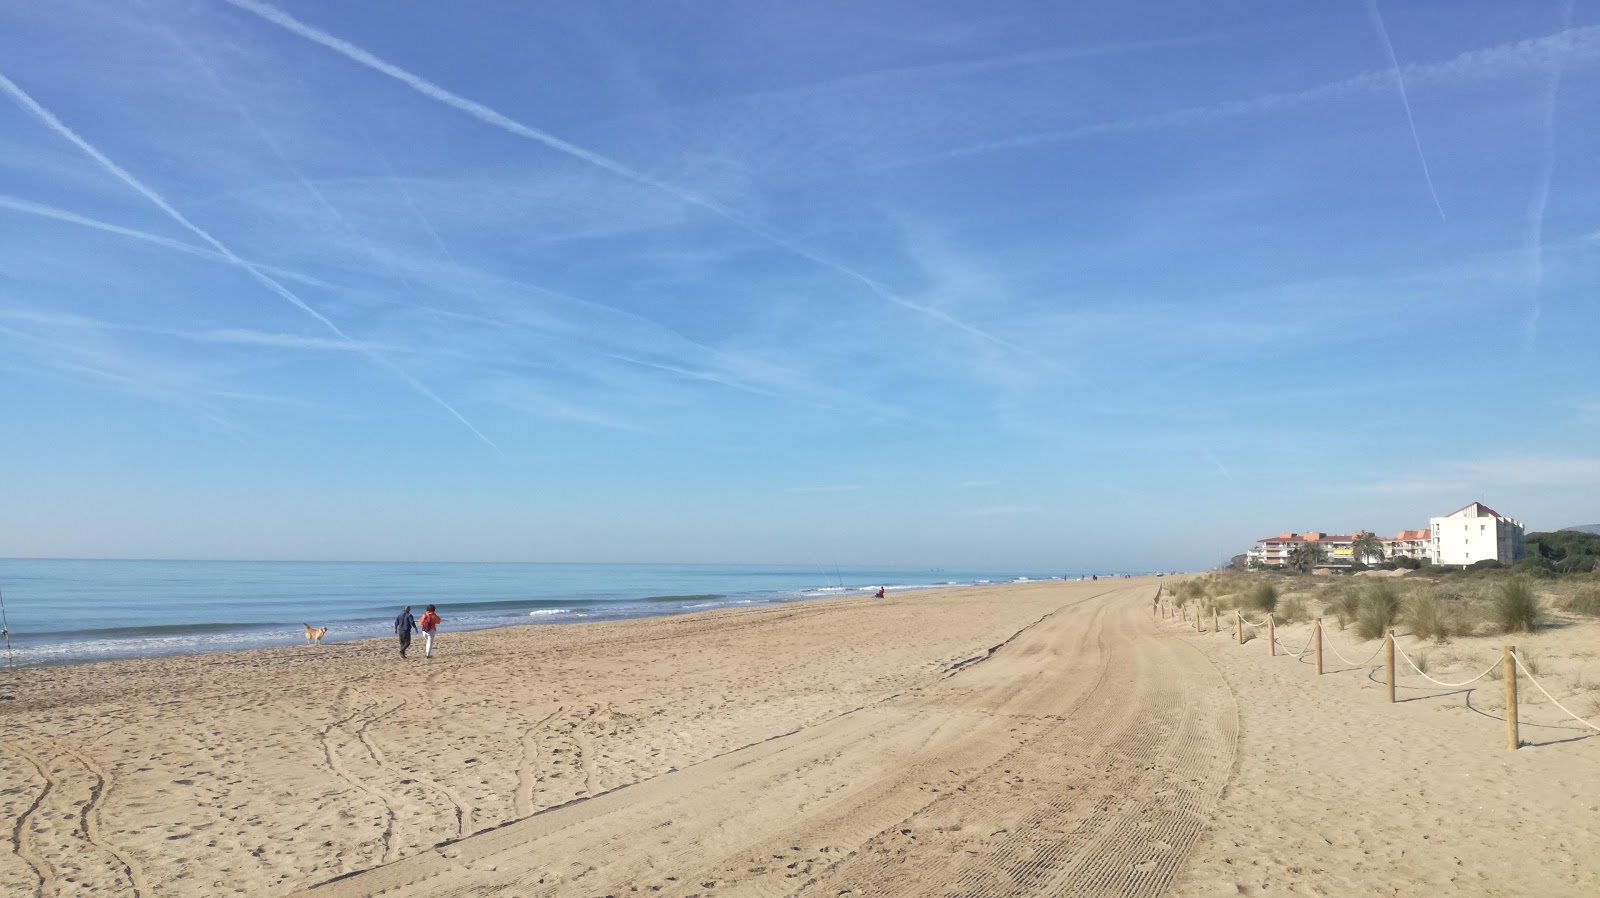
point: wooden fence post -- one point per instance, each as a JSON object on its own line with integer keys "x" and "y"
{"x": 1272, "y": 636}
{"x": 1238, "y": 626}
{"x": 1197, "y": 627}
{"x": 1214, "y": 619}
{"x": 1513, "y": 742}
{"x": 1316, "y": 640}
{"x": 1388, "y": 658}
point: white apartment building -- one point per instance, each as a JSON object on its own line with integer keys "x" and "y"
{"x": 1474, "y": 533}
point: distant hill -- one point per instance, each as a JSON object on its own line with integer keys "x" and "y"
{"x": 1584, "y": 528}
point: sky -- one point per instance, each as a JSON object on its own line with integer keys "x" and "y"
{"x": 921, "y": 283}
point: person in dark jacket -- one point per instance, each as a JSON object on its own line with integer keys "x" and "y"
{"x": 404, "y": 626}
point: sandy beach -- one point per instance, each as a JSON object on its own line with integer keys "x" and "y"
{"x": 1045, "y": 738}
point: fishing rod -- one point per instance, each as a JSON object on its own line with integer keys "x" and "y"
{"x": 5, "y": 628}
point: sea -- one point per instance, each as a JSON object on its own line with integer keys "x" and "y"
{"x": 74, "y": 611}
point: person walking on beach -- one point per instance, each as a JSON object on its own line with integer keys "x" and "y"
{"x": 430, "y": 627}
{"x": 404, "y": 626}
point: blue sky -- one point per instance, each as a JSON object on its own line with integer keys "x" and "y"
{"x": 918, "y": 283}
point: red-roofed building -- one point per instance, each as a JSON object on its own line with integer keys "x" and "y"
{"x": 1409, "y": 544}
{"x": 1274, "y": 550}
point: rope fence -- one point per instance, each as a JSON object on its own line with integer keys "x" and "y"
{"x": 1524, "y": 668}
{"x": 1511, "y": 663}
{"x": 1424, "y": 675}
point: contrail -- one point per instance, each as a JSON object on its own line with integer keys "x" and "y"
{"x": 1490, "y": 62}
{"x": 1405, "y": 100}
{"x": 1212, "y": 457}
{"x": 28, "y": 103}
{"x": 277, "y": 151}
{"x": 27, "y": 207}
{"x": 506, "y": 123}
{"x": 1541, "y": 196}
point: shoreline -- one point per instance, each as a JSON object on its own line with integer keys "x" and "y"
{"x": 66, "y": 647}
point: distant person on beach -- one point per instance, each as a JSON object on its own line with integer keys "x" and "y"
{"x": 404, "y": 626}
{"x": 430, "y": 626}
{"x": 879, "y": 594}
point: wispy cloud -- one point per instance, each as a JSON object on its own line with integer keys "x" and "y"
{"x": 505, "y": 123}
{"x": 994, "y": 511}
{"x": 1405, "y": 101}
{"x": 1541, "y": 191}
{"x": 227, "y": 336}
{"x": 977, "y": 484}
{"x": 528, "y": 398}
{"x": 1507, "y": 472}
{"x": 1475, "y": 65}
{"x": 29, "y": 104}
{"x": 1217, "y": 463}
{"x": 841, "y": 488}
{"x": 27, "y": 207}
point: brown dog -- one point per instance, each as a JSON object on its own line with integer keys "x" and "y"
{"x": 314, "y": 634}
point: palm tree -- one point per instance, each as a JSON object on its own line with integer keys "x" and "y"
{"x": 1366, "y": 547}
{"x": 1305, "y": 556}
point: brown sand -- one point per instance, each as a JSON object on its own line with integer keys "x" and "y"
{"x": 1035, "y": 739}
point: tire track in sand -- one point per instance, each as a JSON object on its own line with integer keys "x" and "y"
{"x": 90, "y": 819}
{"x": 522, "y": 802}
{"x": 59, "y": 834}
{"x": 336, "y": 764}
{"x": 21, "y": 830}
{"x": 462, "y": 811}
{"x": 1080, "y": 758}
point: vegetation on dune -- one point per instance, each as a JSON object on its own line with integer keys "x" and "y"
{"x": 1292, "y": 609}
{"x": 1379, "y": 606}
{"x": 1345, "y": 603}
{"x": 1517, "y": 608}
{"x": 1263, "y": 597}
{"x": 1586, "y": 601}
{"x": 1425, "y": 615}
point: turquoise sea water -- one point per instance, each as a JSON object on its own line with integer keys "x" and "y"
{"x": 73, "y": 611}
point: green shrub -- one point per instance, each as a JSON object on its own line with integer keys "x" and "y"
{"x": 1263, "y": 597}
{"x": 1379, "y": 606}
{"x": 1534, "y": 566}
{"x": 1517, "y": 608}
{"x": 1427, "y": 617}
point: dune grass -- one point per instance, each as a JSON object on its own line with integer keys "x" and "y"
{"x": 1345, "y": 604}
{"x": 1262, "y": 597}
{"x": 1292, "y": 609}
{"x": 1426, "y": 616}
{"x": 1379, "y": 606}
{"x": 1586, "y": 601}
{"x": 1516, "y": 607}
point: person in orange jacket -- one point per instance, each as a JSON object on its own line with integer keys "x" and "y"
{"x": 430, "y": 628}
